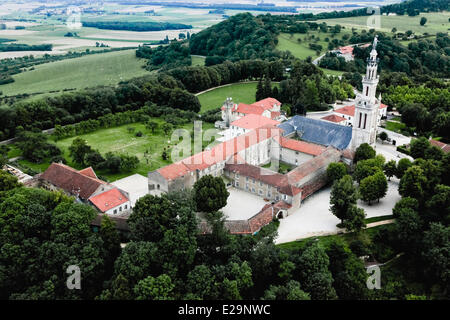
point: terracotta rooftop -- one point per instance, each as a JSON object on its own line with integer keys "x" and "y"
{"x": 444, "y": 147}
{"x": 333, "y": 118}
{"x": 350, "y": 110}
{"x": 267, "y": 103}
{"x": 71, "y": 180}
{"x": 88, "y": 172}
{"x": 253, "y": 121}
{"x": 218, "y": 153}
{"x": 302, "y": 146}
{"x": 249, "y": 109}
{"x": 108, "y": 199}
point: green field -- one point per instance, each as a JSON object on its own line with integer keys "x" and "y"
{"x": 301, "y": 50}
{"x": 120, "y": 141}
{"x": 240, "y": 92}
{"x": 78, "y": 73}
{"x": 437, "y": 22}
{"x": 198, "y": 61}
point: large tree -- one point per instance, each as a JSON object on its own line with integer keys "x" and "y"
{"x": 363, "y": 152}
{"x": 78, "y": 150}
{"x": 343, "y": 196}
{"x": 210, "y": 193}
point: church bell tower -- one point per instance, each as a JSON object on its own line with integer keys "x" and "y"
{"x": 367, "y": 105}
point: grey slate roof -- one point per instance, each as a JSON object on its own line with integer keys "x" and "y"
{"x": 319, "y": 132}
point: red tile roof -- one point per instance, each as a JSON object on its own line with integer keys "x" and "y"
{"x": 333, "y": 118}
{"x": 253, "y": 121}
{"x": 346, "y": 49}
{"x": 218, "y": 153}
{"x": 444, "y": 147}
{"x": 302, "y": 146}
{"x": 350, "y": 110}
{"x": 248, "y": 109}
{"x": 108, "y": 199}
{"x": 267, "y": 103}
{"x": 88, "y": 172}
{"x": 71, "y": 181}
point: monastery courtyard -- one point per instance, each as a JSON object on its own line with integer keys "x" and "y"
{"x": 314, "y": 218}
{"x": 242, "y": 205}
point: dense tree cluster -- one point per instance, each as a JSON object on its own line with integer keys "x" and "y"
{"x": 84, "y": 155}
{"x": 43, "y": 233}
{"x": 4, "y": 47}
{"x": 94, "y": 103}
{"x": 135, "y": 25}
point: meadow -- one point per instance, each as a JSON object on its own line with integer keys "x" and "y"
{"x": 120, "y": 140}
{"x": 436, "y": 22}
{"x": 240, "y": 92}
{"x": 92, "y": 70}
{"x": 301, "y": 50}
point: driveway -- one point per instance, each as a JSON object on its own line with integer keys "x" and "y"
{"x": 313, "y": 218}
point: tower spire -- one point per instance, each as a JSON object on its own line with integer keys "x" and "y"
{"x": 367, "y": 105}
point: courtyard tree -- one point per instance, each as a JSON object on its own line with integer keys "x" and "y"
{"x": 335, "y": 171}
{"x": 373, "y": 187}
{"x": 343, "y": 196}
{"x": 210, "y": 193}
{"x": 402, "y": 165}
{"x": 363, "y": 152}
{"x": 383, "y": 136}
{"x": 78, "y": 150}
{"x": 418, "y": 147}
{"x": 369, "y": 167}
{"x": 290, "y": 291}
{"x": 390, "y": 168}
{"x": 412, "y": 183}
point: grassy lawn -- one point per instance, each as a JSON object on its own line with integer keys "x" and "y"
{"x": 198, "y": 61}
{"x": 325, "y": 241}
{"x": 395, "y": 126}
{"x": 436, "y": 22}
{"x": 240, "y": 92}
{"x": 376, "y": 219}
{"x": 301, "y": 50}
{"x": 88, "y": 71}
{"x": 120, "y": 141}
{"x": 332, "y": 72}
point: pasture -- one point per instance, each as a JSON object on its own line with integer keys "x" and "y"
{"x": 301, "y": 50}
{"x": 78, "y": 73}
{"x": 436, "y": 22}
